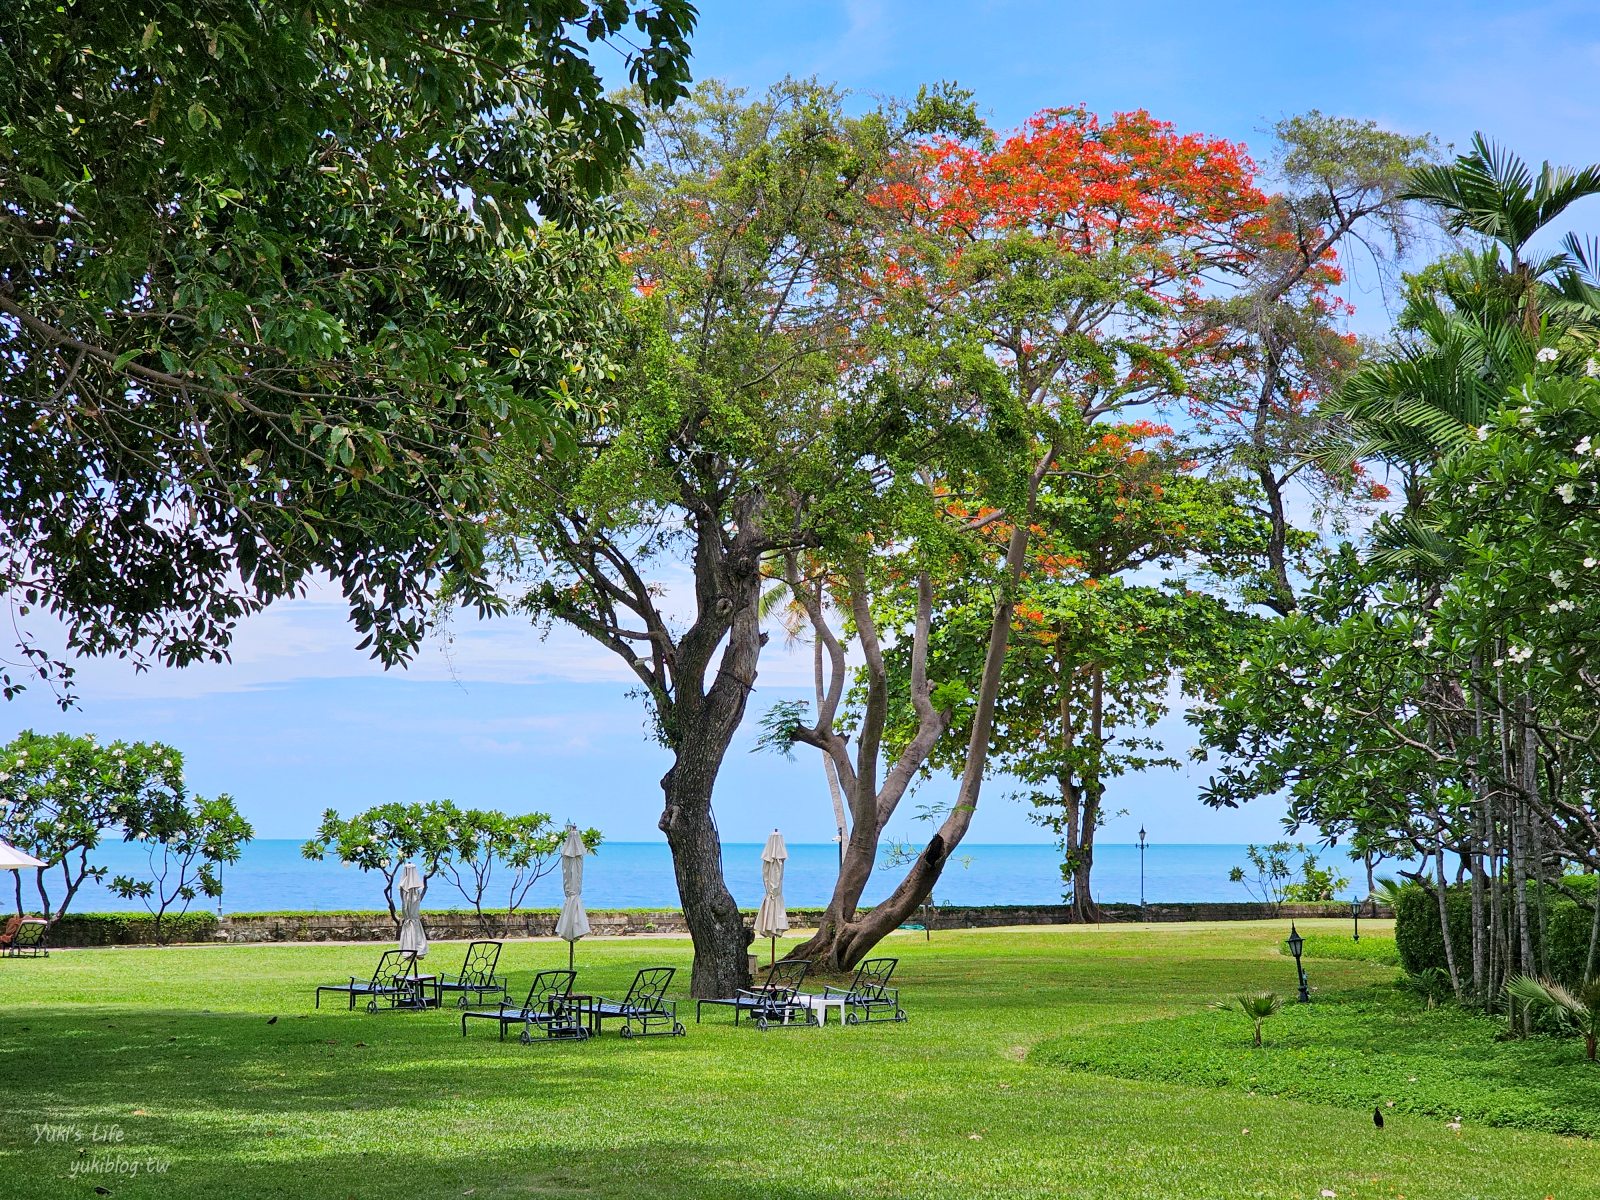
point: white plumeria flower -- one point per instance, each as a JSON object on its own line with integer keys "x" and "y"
{"x": 1583, "y": 446}
{"x": 1547, "y": 355}
{"x": 1483, "y": 433}
{"x": 1592, "y": 368}
{"x": 1590, "y": 562}
{"x": 1567, "y": 492}
{"x": 1557, "y": 578}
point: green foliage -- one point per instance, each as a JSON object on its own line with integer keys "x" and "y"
{"x": 1576, "y": 1011}
{"x": 1360, "y": 1050}
{"x": 186, "y": 851}
{"x": 291, "y": 342}
{"x": 522, "y": 848}
{"x": 1271, "y": 879}
{"x": 63, "y": 795}
{"x": 467, "y": 845}
{"x": 1417, "y": 934}
{"x": 1563, "y": 942}
{"x": 1257, "y": 1008}
{"x": 132, "y": 929}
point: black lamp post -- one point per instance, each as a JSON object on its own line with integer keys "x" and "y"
{"x": 1296, "y": 945}
{"x": 1355, "y": 915}
{"x": 1141, "y": 870}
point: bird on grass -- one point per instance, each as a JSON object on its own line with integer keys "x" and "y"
{"x": 1377, "y": 1117}
{"x": 272, "y": 1020}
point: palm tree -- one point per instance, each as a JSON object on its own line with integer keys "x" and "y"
{"x": 1491, "y": 192}
{"x": 1578, "y": 1011}
{"x": 1257, "y": 1007}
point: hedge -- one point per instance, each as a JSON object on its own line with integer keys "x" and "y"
{"x": 1421, "y": 943}
{"x": 131, "y": 929}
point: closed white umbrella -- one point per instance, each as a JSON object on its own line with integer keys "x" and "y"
{"x": 413, "y": 938}
{"x": 573, "y": 922}
{"x": 12, "y": 859}
{"x": 772, "y": 919}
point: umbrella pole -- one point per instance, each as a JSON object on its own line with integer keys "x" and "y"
{"x": 569, "y": 955}
{"x": 773, "y": 961}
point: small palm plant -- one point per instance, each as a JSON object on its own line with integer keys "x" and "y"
{"x": 1577, "y": 1011}
{"x": 1257, "y": 1007}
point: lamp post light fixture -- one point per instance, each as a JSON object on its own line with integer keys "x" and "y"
{"x": 1141, "y": 870}
{"x": 1296, "y": 945}
{"x": 1355, "y": 915}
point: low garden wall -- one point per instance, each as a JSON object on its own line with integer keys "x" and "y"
{"x": 125, "y": 929}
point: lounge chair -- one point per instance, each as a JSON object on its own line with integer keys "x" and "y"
{"x": 548, "y": 1007}
{"x": 775, "y": 999}
{"x": 395, "y": 981}
{"x": 869, "y": 992}
{"x": 644, "y": 1005}
{"x": 25, "y": 936}
{"x": 477, "y": 978}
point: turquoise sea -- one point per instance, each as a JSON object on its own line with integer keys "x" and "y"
{"x": 272, "y": 875}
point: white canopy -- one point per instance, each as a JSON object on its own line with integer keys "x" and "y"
{"x": 12, "y": 859}
{"x": 413, "y": 938}
{"x": 573, "y": 922}
{"x": 772, "y": 920}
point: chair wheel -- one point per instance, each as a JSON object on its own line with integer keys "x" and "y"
{"x": 678, "y": 1030}
{"x": 761, "y": 1023}
{"x": 627, "y": 1031}
{"x": 850, "y": 1018}
{"x": 899, "y": 1014}
{"x": 526, "y": 1039}
{"x": 372, "y": 1006}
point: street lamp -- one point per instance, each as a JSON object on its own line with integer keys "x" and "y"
{"x": 1141, "y": 870}
{"x": 1296, "y": 945}
{"x": 1355, "y": 915}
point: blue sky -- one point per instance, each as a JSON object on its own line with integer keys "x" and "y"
{"x": 300, "y": 720}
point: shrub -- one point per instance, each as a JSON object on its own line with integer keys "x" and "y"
{"x": 1421, "y": 945}
{"x": 131, "y": 929}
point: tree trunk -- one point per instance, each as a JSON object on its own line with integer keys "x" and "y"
{"x": 856, "y": 938}
{"x": 721, "y": 938}
{"x": 1444, "y": 912}
{"x": 1084, "y": 908}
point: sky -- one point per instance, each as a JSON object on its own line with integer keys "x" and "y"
{"x": 494, "y": 716}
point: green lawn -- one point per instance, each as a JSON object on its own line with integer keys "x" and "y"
{"x": 171, "y": 1049}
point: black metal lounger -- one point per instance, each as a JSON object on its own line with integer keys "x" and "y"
{"x": 645, "y": 1005}
{"x": 477, "y": 978}
{"x": 548, "y": 1008}
{"x": 774, "y": 1001}
{"x": 394, "y": 980}
{"x": 869, "y": 992}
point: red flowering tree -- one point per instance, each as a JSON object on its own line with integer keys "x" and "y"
{"x": 1039, "y": 282}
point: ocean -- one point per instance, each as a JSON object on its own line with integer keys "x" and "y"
{"x": 273, "y": 876}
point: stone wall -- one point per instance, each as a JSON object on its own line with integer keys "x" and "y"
{"x": 450, "y": 926}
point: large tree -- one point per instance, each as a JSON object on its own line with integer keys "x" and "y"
{"x": 1067, "y": 258}
{"x": 259, "y": 266}
{"x": 727, "y": 440}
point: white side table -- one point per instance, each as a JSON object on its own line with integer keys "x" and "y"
{"x": 820, "y": 1005}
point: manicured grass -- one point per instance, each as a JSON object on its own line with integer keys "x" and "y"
{"x": 1374, "y": 1048}
{"x": 173, "y": 1049}
{"x": 1371, "y": 948}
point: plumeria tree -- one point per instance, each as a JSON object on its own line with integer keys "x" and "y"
{"x": 185, "y": 849}
{"x": 383, "y": 838}
{"x": 503, "y": 855}
{"x": 63, "y": 795}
